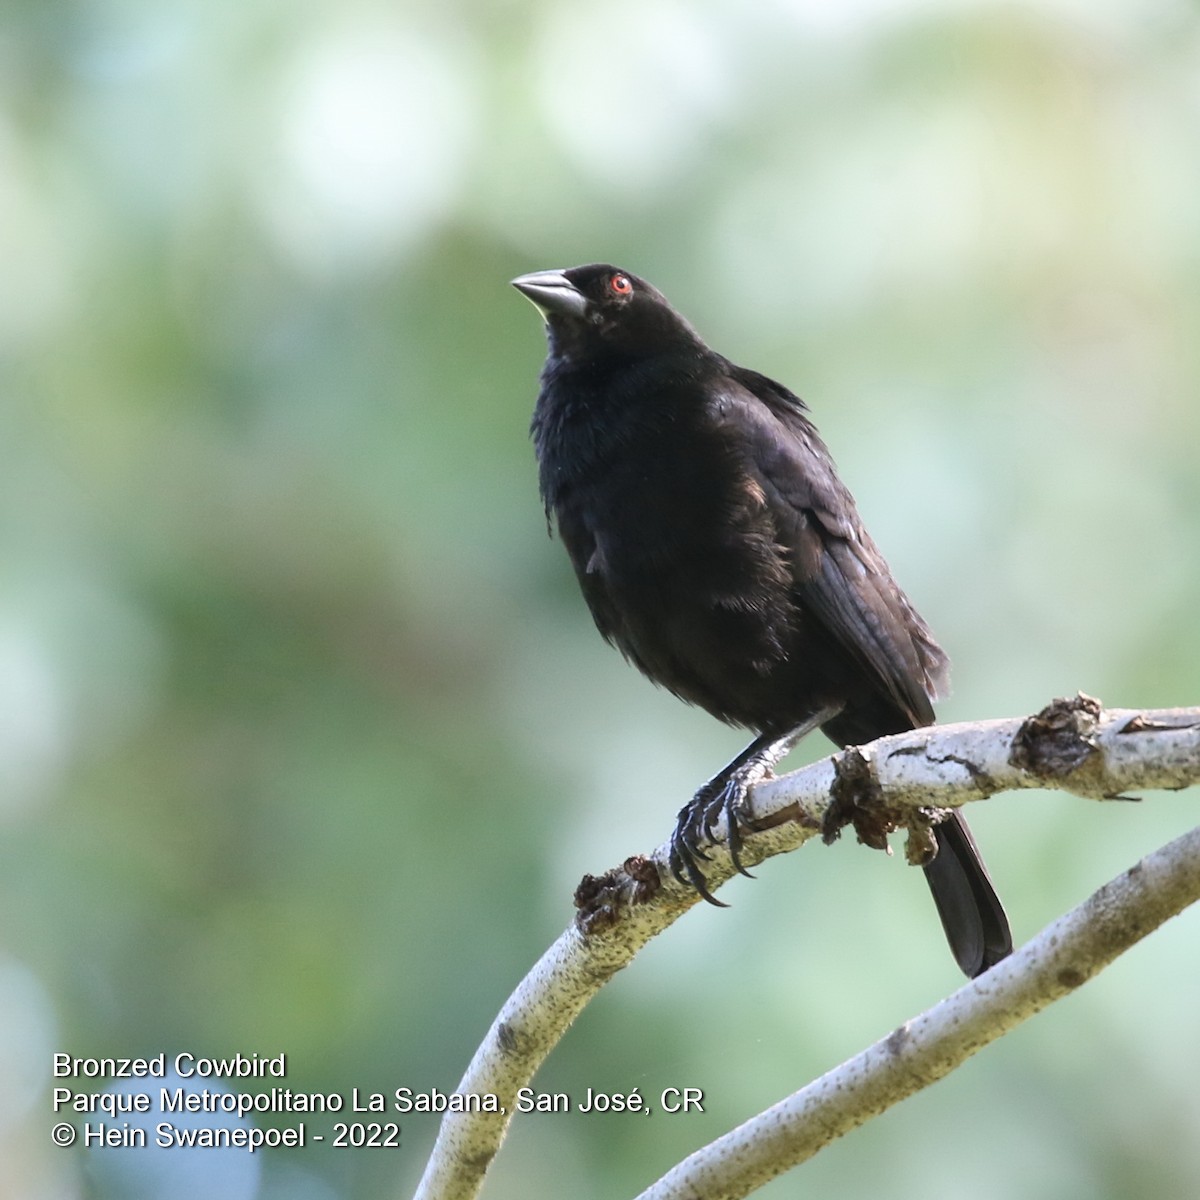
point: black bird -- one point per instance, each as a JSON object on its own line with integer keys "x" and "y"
{"x": 721, "y": 554}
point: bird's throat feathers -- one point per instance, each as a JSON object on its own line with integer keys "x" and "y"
{"x": 591, "y": 408}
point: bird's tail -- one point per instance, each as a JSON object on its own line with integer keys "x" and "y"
{"x": 971, "y": 912}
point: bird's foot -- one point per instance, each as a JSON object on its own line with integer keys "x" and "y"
{"x": 726, "y": 796}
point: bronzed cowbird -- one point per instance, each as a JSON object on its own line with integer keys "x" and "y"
{"x": 721, "y": 554}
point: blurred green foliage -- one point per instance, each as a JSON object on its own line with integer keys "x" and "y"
{"x": 305, "y": 736}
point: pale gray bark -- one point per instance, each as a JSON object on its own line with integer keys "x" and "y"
{"x": 1074, "y": 746}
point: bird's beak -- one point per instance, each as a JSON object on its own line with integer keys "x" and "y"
{"x": 552, "y": 293}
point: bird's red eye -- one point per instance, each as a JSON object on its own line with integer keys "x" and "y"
{"x": 620, "y": 285}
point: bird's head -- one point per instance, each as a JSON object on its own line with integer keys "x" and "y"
{"x": 602, "y": 309}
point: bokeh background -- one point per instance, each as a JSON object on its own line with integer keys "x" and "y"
{"x": 305, "y": 735}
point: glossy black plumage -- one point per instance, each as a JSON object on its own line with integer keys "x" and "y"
{"x": 719, "y": 551}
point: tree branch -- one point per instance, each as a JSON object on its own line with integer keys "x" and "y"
{"x": 1072, "y": 745}
{"x": 1063, "y": 956}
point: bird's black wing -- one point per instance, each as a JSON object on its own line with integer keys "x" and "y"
{"x": 839, "y": 575}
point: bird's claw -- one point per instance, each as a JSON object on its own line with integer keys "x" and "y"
{"x": 697, "y": 823}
